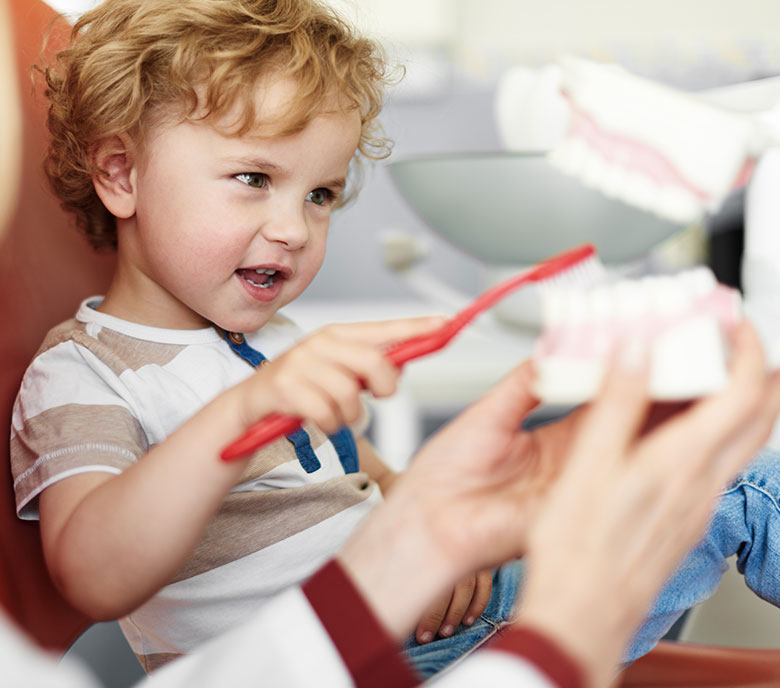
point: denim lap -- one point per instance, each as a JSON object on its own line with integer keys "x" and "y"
{"x": 746, "y": 523}
{"x": 434, "y": 656}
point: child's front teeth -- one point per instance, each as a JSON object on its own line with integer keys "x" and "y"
{"x": 263, "y": 271}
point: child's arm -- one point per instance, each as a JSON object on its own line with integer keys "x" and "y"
{"x": 112, "y": 541}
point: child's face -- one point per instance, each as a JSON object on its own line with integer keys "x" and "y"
{"x": 213, "y": 210}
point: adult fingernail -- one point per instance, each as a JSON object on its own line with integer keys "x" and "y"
{"x": 426, "y": 637}
{"x": 469, "y": 620}
{"x": 446, "y": 631}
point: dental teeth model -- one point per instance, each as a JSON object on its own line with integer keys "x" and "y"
{"x": 683, "y": 319}
{"x": 662, "y": 150}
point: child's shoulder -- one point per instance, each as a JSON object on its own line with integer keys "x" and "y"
{"x": 66, "y": 331}
{"x": 84, "y": 340}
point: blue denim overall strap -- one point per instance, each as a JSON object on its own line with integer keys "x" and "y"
{"x": 342, "y": 440}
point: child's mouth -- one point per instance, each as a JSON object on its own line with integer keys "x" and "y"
{"x": 259, "y": 277}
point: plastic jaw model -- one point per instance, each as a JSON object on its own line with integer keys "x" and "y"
{"x": 683, "y": 320}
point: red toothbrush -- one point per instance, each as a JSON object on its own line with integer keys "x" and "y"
{"x": 579, "y": 265}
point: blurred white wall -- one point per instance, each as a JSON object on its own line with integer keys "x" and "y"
{"x": 685, "y": 40}
{"x": 454, "y": 51}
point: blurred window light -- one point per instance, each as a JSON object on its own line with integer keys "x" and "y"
{"x": 72, "y": 8}
{"x": 411, "y": 22}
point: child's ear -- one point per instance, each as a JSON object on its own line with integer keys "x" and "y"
{"x": 115, "y": 183}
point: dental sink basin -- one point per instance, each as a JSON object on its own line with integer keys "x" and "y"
{"x": 515, "y": 209}
{"x": 509, "y": 210}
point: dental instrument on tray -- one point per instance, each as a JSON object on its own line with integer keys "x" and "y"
{"x": 670, "y": 152}
{"x": 683, "y": 319}
{"x": 579, "y": 266}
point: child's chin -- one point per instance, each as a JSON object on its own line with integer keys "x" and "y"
{"x": 249, "y": 323}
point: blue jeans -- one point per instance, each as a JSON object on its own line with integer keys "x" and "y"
{"x": 434, "y": 656}
{"x": 746, "y": 523}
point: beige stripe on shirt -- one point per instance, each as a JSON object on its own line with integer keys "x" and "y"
{"x": 249, "y": 521}
{"x": 118, "y": 351}
{"x": 61, "y": 429}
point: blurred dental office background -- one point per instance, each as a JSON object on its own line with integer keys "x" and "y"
{"x": 455, "y": 53}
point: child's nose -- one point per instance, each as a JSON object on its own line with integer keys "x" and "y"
{"x": 288, "y": 227}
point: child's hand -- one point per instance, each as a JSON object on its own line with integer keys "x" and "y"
{"x": 463, "y": 604}
{"x": 321, "y": 377}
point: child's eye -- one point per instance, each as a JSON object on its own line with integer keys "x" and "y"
{"x": 320, "y": 196}
{"x": 256, "y": 179}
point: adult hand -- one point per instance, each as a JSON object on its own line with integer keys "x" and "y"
{"x": 631, "y": 501}
{"x": 463, "y": 504}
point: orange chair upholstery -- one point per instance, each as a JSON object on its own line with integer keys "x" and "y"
{"x": 678, "y": 665}
{"x": 46, "y": 268}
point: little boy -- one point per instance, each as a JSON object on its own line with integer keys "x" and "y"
{"x": 207, "y": 142}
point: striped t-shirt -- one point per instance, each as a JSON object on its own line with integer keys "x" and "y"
{"x": 102, "y": 391}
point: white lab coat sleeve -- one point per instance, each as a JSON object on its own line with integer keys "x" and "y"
{"x": 494, "y": 668}
{"x": 283, "y": 645}
{"x": 22, "y": 663}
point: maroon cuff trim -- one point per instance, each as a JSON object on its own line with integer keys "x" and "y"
{"x": 538, "y": 649}
{"x": 369, "y": 653}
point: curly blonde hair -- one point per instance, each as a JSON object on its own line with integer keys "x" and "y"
{"x": 129, "y": 61}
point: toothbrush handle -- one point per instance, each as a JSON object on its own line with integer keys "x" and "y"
{"x": 270, "y": 428}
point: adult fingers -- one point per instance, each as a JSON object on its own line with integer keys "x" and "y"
{"x": 693, "y": 439}
{"x": 752, "y": 435}
{"x": 507, "y": 403}
{"x": 612, "y": 421}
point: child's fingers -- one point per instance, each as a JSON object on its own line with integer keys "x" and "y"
{"x": 365, "y": 362}
{"x": 316, "y": 406}
{"x": 432, "y": 618}
{"x": 479, "y": 600}
{"x": 382, "y": 332}
{"x": 462, "y": 595}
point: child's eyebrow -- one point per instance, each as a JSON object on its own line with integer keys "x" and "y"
{"x": 266, "y": 166}
{"x": 259, "y": 163}
{"x": 336, "y": 184}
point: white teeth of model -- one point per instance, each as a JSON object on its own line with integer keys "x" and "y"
{"x": 683, "y": 318}
{"x": 677, "y": 204}
{"x": 600, "y": 304}
{"x": 574, "y": 307}
{"x": 613, "y": 180}
{"x": 699, "y": 281}
{"x": 553, "y": 307}
{"x": 265, "y": 271}
{"x": 638, "y": 190}
{"x": 572, "y": 156}
{"x": 630, "y": 300}
{"x": 594, "y": 172}
{"x": 666, "y": 297}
